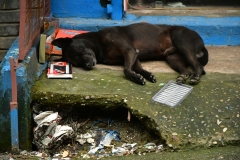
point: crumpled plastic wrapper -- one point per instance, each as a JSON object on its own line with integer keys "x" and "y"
{"x": 48, "y": 131}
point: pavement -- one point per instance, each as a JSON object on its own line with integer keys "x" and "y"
{"x": 208, "y": 117}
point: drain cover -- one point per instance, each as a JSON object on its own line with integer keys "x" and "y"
{"x": 172, "y": 94}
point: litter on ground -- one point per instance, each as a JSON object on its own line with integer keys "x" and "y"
{"x": 58, "y": 138}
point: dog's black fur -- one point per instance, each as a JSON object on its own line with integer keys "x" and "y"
{"x": 179, "y": 46}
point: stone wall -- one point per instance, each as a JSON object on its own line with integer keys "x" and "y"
{"x": 9, "y": 24}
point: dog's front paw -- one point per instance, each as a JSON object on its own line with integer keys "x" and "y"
{"x": 152, "y": 78}
{"x": 149, "y": 76}
{"x": 139, "y": 79}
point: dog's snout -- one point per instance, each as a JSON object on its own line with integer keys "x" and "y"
{"x": 89, "y": 65}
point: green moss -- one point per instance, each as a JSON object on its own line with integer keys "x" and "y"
{"x": 194, "y": 121}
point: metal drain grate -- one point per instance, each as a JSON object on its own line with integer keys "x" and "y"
{"x": 172, "y": 93}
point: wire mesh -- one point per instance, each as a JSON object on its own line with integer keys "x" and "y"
{"x": 172, "y": 94}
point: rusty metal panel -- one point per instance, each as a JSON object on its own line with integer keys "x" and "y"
{"x": 31, "y": 21}
{"x": 14, "y": 106}
{"x": 46, "y": 8}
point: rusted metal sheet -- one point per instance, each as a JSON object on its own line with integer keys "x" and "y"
{"x": 14, "y": 106}
{"x": 32, "y": 13}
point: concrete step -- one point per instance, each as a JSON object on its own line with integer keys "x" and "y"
{"x": 215, "y": 31}
{"x": 208, "y": 117}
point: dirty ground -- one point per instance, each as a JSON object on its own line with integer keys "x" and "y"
{"x": 208, "y": 118}
{"x": 91, "y": 132}
{"x": 220, "y": 153}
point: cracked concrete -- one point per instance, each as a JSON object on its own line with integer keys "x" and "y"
{"x": 209, "y": 116}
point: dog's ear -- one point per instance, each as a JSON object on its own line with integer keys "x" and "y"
{"x": 62, "y": 42}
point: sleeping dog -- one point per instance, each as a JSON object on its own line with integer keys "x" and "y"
{"x": 182, "y": 48}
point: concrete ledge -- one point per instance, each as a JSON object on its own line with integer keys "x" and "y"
{"x": 9, "y": 29}
{"x": 208, "y": 117}
{"x": 214, "y": 31}
{"x": 5, "y": 4}
{"x": 9, "y": 16}
{"x": 27, "y": 72}
{"x": 6, "y": 42}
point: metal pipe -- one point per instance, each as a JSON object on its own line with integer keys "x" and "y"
{"x": 14, "y": 106}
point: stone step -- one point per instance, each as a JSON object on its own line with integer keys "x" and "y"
{"x": 215, "y": 31}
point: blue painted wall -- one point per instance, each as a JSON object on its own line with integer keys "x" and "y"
{"x": 78, "y": 8}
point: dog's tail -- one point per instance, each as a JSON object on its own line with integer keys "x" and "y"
{"x": 202, "y": 56}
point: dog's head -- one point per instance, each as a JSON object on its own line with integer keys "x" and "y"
{"x": 78, "y": 52}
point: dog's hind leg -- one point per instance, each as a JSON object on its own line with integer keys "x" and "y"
{"x": 177, "y": 63}
{"x": 137, "y": 67}
{"x": 188, "y": 43}
{"x": 189, "y": 55}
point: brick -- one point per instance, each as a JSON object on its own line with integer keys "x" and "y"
{"x": 9, "y": 16}
{"x": 9, "y": 29}
{"x": 6, "y": 42}
{"x": 2, "y": 54}
{"x": 9, "y": 4}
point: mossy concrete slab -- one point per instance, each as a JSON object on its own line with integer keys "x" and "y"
{"x": 209, "y": 116}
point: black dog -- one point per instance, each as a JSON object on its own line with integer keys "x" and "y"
{"x": 179, "y": 46}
